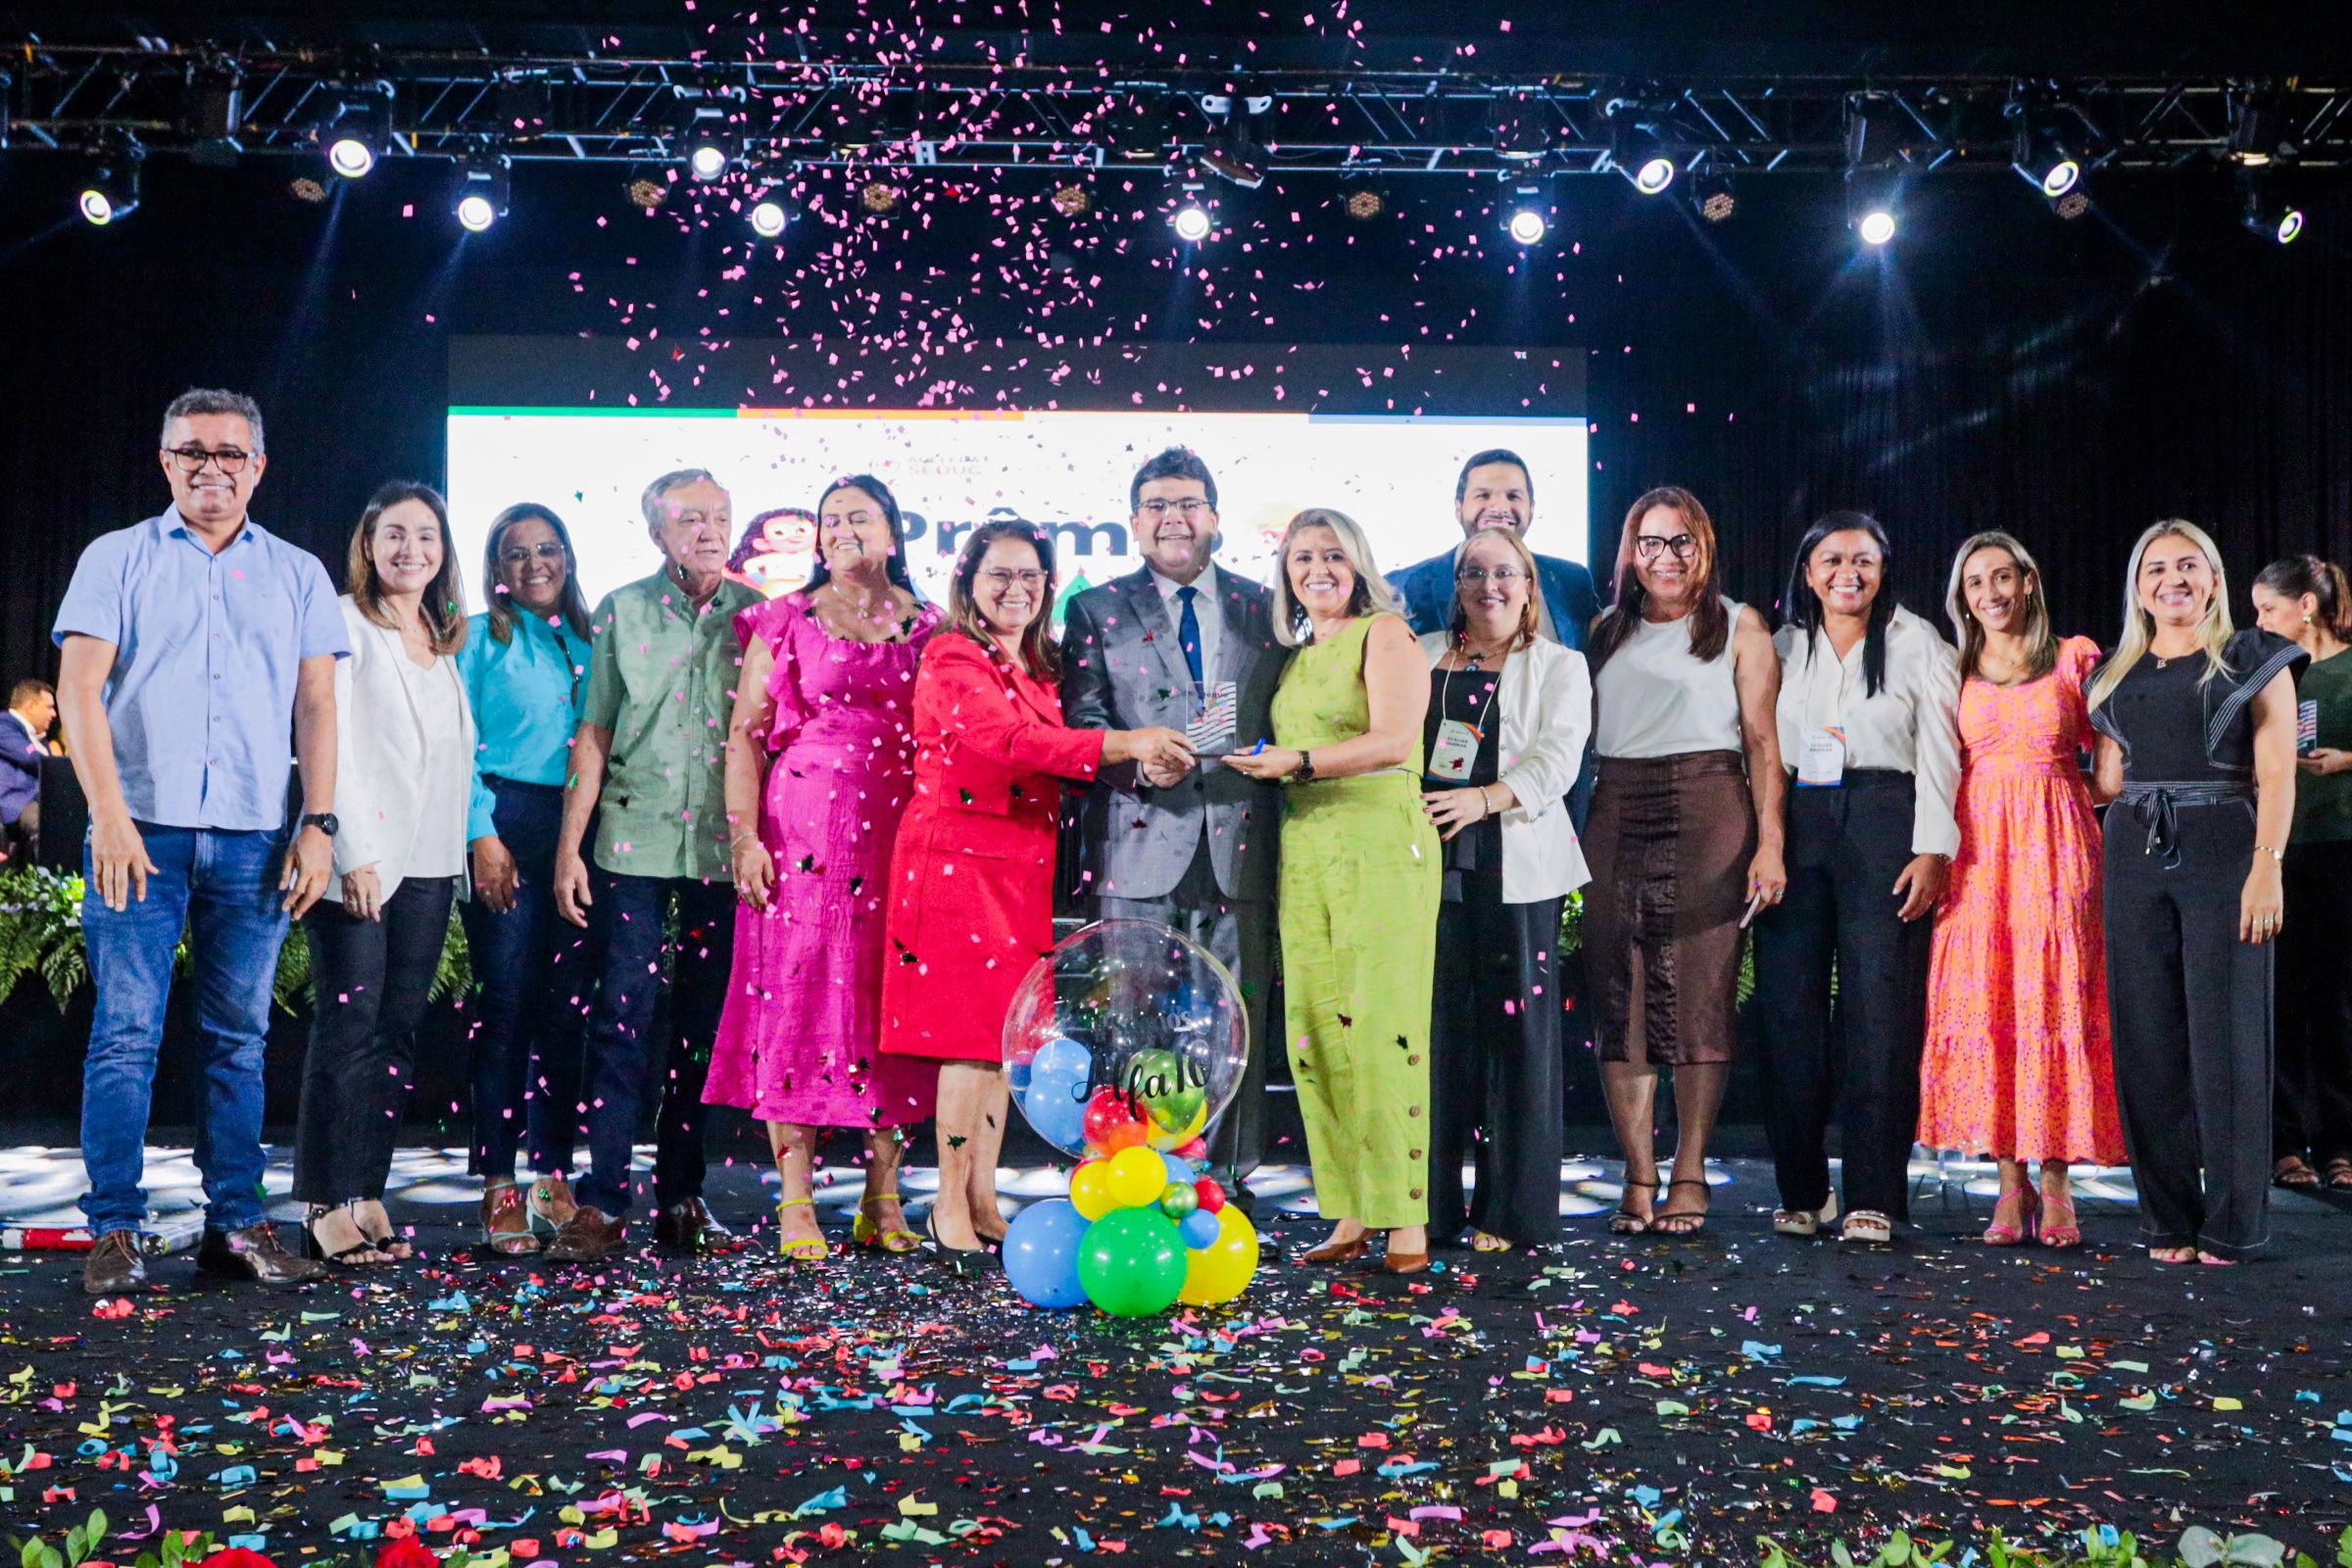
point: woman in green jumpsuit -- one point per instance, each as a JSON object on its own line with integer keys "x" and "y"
{"x": 1360, "y": 879}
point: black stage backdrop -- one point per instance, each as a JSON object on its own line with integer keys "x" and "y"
{"x": 1994, "y": 367}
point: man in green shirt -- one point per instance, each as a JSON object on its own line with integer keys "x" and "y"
{"x": 649, "y": 764}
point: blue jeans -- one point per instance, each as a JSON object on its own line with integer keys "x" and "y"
{"x": 222, "y": 888}
{"x": 536, "y": 979}
{"x": 626, "y": 938}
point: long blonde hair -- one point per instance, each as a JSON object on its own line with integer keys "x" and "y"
{"x": 2042, "y": 642}
{"x": 2140, "y": 627}
{"x": 1528, "y": 632}
{"x": 1370, "y": 595}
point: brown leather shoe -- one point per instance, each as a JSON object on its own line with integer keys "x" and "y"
{"x": 590, "y": 1236}
{"x": 254, "y": 1253}
{"x": 688, "y": 1227}
{"x": 1406, "y": 1263}
{"x": 115, "y": 1266}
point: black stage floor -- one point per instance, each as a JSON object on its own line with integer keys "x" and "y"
{"x": 1657, "y": 1400}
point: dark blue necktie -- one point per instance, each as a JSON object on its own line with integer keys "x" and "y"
{"x": 1188, "y": 630}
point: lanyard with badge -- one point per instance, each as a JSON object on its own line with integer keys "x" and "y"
{"x": 1821, "y": 757}
{"x": 1456, "y": 746}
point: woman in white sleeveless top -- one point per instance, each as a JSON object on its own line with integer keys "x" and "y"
{"x": 1685, "y": 683}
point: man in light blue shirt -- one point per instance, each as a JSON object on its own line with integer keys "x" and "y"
{"x": 192, "y": 643}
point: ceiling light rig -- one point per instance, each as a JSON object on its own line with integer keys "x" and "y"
{"x": 1233, "y": 151}
{"x": 1712, "y": 194}
{"x": 111, "y": 192}
{"x": 361, "y": 134}
{"x": 1529, "y": 222}
{"x": 1191, "y": 220}
{"x": 1639, "y": 146}
{"x": 483, "y": 193}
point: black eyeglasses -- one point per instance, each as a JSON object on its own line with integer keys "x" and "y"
{"x": 192, "y": 458}
{"x": 1649, "y": 545}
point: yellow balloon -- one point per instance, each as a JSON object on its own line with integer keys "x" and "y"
{"x": 1162, "y": 1139}
{"x": 1222, "y": 1270}
{"x": 1135, "y": 1176}
{"x": 1090, "y": 1189}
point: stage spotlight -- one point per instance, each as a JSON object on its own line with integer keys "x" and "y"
{"x": 2273, "y": 221}
{"x": 2046, "y": 166}
{"x": 1875, "y": 226}
{"x": 1072, "y": 200}
{"x": 769, "y": 216}
{"x": 112, "y": 188}
{"x": 1233, "y": 151}
{"x": 878, "y": 197}
{"x": 1873, "y": 158}
{"x": 2257, "y": 128}
{"x": 1191, "y": 220}
{"x": 1636, "y": 150}
{"x": 302, "y": 188}
{"x": 1516, "y": 126}
{"x": 1365, "y": 204}
{"x": 2073, "y": 205}
{"x": 363, "y": 131}
{"x": 1712, "y": 195}
{"x": 1136, "y": 129}
{"x": 482, "y": 194}
{"x": 1528, "y": 223}
{"x": 646, "y": 189}
{"x": 210, "y": 115}
{"x": 1871, "y": 203}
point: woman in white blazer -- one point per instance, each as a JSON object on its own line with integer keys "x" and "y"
{"x": 404, "y": 772}
{"x": 1508, "y": 714}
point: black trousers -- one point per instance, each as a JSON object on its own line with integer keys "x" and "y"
{"x": 627, "y": 924}
{"x": 2311, "y": 1103}
{"x": 1240, "y": 934}
{"x": 1848, "y": 844}
{"x": 2191, "y": 1008}
{"x": 531, "y": 966}
{"x": 370, "y": 980}
{"x": 1494, "y": 1066}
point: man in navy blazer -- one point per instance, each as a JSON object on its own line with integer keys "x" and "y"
{"x": 23, "y": 742}
{"x": 1496, "y": 491}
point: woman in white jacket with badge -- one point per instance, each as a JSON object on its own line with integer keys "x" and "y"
{"x": 1508, "y": 716}
{"x": 404, "y": 755}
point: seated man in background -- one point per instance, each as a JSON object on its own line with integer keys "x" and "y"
{"x": 23, "y": 742}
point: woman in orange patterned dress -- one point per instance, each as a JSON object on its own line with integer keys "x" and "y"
{"x": 2018, "y": 1062}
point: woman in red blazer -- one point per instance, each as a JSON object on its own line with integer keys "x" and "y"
{"x": 972, "y": 872}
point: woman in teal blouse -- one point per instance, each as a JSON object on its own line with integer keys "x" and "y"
{"x": 526, "y": 667}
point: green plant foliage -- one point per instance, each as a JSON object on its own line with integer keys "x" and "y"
{"x": 40, "y": 930}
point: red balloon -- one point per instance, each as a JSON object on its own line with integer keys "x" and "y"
{"x": 1112, "y": 1123}
{"x": 1212, "y": 1196}
{"x": 1198, "y": 1149}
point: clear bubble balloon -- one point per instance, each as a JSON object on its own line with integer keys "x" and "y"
{"x": 1132, "y": 1007}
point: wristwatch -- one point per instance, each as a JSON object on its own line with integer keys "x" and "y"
{"x": 1305, "y": 773}
{"x": 323, "y": 821}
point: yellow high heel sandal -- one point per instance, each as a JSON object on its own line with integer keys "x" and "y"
{"x": 807, "y": 1250}
{"x": 867, "y": 1233}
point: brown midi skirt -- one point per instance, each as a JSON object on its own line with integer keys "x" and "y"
{"x": 1669, "y": 841}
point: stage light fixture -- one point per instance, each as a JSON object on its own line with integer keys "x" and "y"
{"x": 362, "y": 132}
{"x": 1233, "y": 151}
{"x": 1191, "y": 220}
{"x": 2257, "y": 128}
{"x": 1873, "y": 203}
{"x": 1873, "y": 172}
{"x": 646, "y": 189}
{"x": 1714, "y": 198}
{"x": 1515, "y": 125}
{"x": 302, "y": 188}
{"x": 212, "y": 114}
{"x": 878, "y": 197}
{"x": 1528, "y": 223}
{"x": 483, "y": 193}
{"x": 1072, "y": 199}
{"x": 2046, "y": 165}
{"x": 112, "y": 191}
{"x": 1636, "y": 148}
{"x": 769, "y": 216}
{"x": 708, "y": 153}
{"x": 2278, "y": 221}
{"x": 1364, "y": 202}
{"x": 2073, "y": 205}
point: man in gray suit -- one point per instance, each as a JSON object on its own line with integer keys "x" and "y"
{"x": 1179, "y": 643}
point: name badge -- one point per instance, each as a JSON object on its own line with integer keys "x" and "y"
{"x": 1821, "y": 763}
{"x": 1456, "y": 750}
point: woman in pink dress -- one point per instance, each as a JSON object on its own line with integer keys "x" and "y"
{"x": 821, "y": 763}
{"x": 2017, "y": 1064}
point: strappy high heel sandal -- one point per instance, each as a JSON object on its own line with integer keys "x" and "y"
{"x": 867, "y": 1231}
{"x": 804, "y": 1249}
{"x": 550, "y": 1204}
{"x": 506, "y": 1221}
{"x": 1625, "y": 1222}
{"x": 2059, "y": 1227}
{"x": 1804, "y": 1221}
{"x": 1691, "y": 1221}
{"x": 2029, "y": 1220}
{"x": 346, "y": 1257}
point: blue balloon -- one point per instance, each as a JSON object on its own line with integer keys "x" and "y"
{"x": 1198, "y": 1230}
{"x": 1055, "y": 1105}
{"x": 1179, "y": 1170}
{"x": 1040, "y": 1254}
{"x": 1017, "y": 1077}
{"x": 1064, "y": 1056}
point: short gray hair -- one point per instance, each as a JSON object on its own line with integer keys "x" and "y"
{"x": 213, "y": 400}
{"x": 675, "y": 479}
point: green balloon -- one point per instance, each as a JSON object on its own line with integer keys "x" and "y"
{"x": 1170, "y": 1091}
{"x": 1132, "y": 1262}
{"x": 1179, "y": 1199}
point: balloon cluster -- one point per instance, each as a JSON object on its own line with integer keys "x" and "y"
{"x": 1123, "y": 1045}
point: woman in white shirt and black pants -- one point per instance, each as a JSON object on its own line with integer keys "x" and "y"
{"x": 404, "y": 773}
{"x": 1868, "y": 718}
{"x": 1502, "y": 742}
